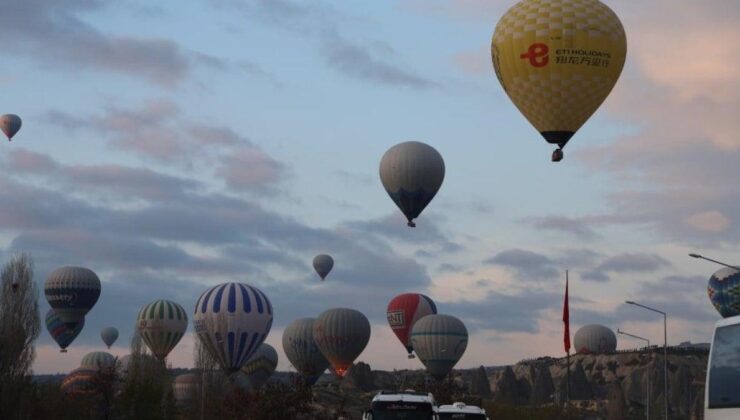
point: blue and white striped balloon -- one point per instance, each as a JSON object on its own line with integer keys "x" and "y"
{"x": 232, "y": 320}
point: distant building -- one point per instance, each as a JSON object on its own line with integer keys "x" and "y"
{"x": 690, "y": 345}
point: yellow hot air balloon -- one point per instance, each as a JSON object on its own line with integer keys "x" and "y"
{"x": 558, "y": 60}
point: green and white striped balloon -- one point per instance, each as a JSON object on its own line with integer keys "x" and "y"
{"x": 161, "y": 325}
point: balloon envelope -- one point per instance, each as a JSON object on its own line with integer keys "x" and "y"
{"x": 558, "y": 60}
{"x": 98, "y": 360}
{"x": 10, "y": 124}
{"x": 403, "y": 312}
{"x": 724, "y": 291}
{"x": 80, "y": 382}
{"x": 232, "y": 320}
{"x": 186, "y": 387}
{"x": 323, "y": 264}
{"x": 301, "y": 350}
{"x": 341, "y": 334}
{"x": 161, "y": 325}
{"x": 260, "y": 366}
{"x": 412, "y": 173}
{"x": 60, "y": 332}
{"x": 72, "y": 292}
{"x": 439, "y": 342}
{"x": 109, "y": 335}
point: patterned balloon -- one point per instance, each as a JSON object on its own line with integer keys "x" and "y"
{"x": 72, "y": 292}
{"x": 260, "y": 366}
{"x": 412, "y": 172}
{"x": 558, "y": 60}
{"x": 439, "y": 341}
{"x": 724, "y": 291}
{"x": 232, "y": 320}
{"x": 98, "y": 360}
{"x": 341, "y": 334}
{"x": 10, "y": 124}
{"x": 80, "y": 383}
{"x": 301, "y": 350}
{"x": 109, "y": 335}
{"x": 403, "y": 312}
{"x": 60, "y": 332}
{"x": 161, "y": 325}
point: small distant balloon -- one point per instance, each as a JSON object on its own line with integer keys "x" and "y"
{"x": 260, "y": 366}
{"x": 109, "y": 335}
{"x": 10, "y": 124}
{"x": 323, "y": 264}
{"x": 412, "y": 173}
{"x": 60, "y": 332}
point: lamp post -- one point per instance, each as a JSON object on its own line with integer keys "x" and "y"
{"x": 665, "y": 352}
{"x": 647, "y": 405}
{"x": 714, "y": 261}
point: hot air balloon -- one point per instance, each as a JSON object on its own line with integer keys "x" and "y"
{"x": 260, "y": 366}
{"x": 403, "y": 312}
{"x": 162, "y": 324}
{"x": 98, "y": 360}
{"x": 185, "y": 388}
{"x": 72, "y": 292}
{"x": 439, "y": 342}
{"x": 80, "y": 382}
{"x": 595, "y": 339}
{"x": 323, "y": 264}
{"x": 412, "y": 173}
{"x": 63, "y": 335}
{"x": 558, "y": 60}
{"x": 302, "y": 351}
{"x": 10, "y": 124}
{"x": 232, "y": 320}
{"x": 109, "y": 335}
{"x": 724, "y": 291}
{"x": 341, "y": 334}
{"x": 138, "y": 362}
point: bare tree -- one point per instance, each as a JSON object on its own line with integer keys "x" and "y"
{"x": 19, "y": 328}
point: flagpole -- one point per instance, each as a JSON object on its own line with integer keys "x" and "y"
{"x": 567, "y": 331}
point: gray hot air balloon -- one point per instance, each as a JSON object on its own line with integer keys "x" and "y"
{"x": 260, "y": 366}
{"x": 302, "y": 351}
{"x": 109, "y": 335}
{"x": 595, "y": 338}
{"x": 323, "y": 264}
{"x": 439, "y": 342}
{"x": 412, "y": 173}
{"x": 186, "y": 388}
{"x": 341, "y": 334}
{"x": 72, "y": 292}
{"x": 10, "y": 124}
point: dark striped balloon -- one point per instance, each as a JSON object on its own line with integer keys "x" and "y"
{"x": 232, "y": 320}
{"x": 72, "y": 292}
{"x": 161, "y": 325}
{"x": 60, "y": 332}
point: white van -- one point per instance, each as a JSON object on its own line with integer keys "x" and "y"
{"x": 405, "y": 405}
{"x": 461, "y": 411}
{"x": 722, "y": 389}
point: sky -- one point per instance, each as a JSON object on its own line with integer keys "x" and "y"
{"x": 175, "y": 146}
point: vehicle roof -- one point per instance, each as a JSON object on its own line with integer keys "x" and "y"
{"x": 459, "y": 407}
{"x": 405, "y": 396}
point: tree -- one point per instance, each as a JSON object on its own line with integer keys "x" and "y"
{"x": 19, "y": 328}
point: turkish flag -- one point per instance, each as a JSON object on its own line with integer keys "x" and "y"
{"x": 566, "y": 318}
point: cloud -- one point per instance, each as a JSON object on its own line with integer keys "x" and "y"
{"x": 626, "y": 263}
{"x": 529, "y": 266}
{"x": 158, "y": 130}
{"x": 577, "y": 227}
{"x": 322, "y": 23}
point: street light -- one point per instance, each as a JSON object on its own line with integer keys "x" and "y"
{"x": 665, "y": 352}
{"x": 714, "y": 261}
{"x": 647, "y": 405}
